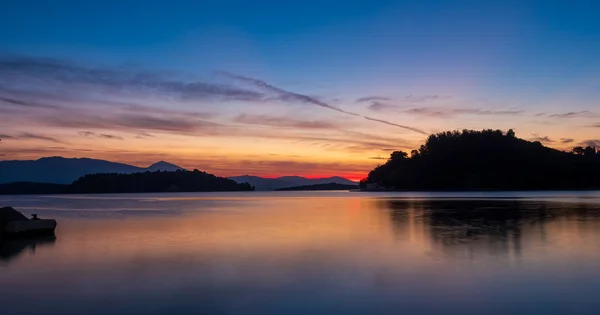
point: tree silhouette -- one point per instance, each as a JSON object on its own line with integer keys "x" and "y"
{"x": 177, "y": 181}
{"x": 487, "y": 160}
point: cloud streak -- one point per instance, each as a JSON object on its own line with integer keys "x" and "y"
{"x": 20, "y": 103}
{"x": 283, "y": 95}
{"x": 40, "y": 73}
{"x": 396, "y": 125}
{"x": 544, "y": 139}
{"x": 372, "y": 98}
{"x": 381, "y": 106}
{"x": 584, "y": 113}
{"x": 566, "y": 140}
{"x": 30, "y": 136}
{"x": 440, "y": 112}
{"x": 50, "y": 71}
{"x": 130, "y": 122}
{"x": 101, "y": 135}
{"x": 284, "y": 122}
{"x": 591, "y": 143}
{"x": 424, "y": 98}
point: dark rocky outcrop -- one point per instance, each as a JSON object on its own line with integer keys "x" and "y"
{"x": 8, "y": 214}
{"x": 14, "y": 224}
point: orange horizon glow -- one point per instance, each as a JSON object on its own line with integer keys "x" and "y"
{"x": 296, "y": 136}
{"x": 317, "y": 93}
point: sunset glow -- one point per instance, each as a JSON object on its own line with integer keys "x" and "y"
{"x": 232, "y": 93}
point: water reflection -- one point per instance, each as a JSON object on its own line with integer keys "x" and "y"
{"x": 325, "y": 253}
{"x": 495, "y": 228}
{"x": 13, "y": 248}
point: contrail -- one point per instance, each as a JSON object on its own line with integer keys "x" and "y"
{"x": 287, "y": 95}
{"x": 397, "y": 125}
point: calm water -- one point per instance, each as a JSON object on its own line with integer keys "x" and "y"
{"x": 308, "y": 253}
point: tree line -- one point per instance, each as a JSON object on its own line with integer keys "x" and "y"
{"x": 159, "y": 181}
{"x": 486, "y": 160}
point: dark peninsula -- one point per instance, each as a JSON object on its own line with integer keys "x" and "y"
{"x": 486, "y": 160}
{"x": 143, "y": 182}
{"x": 329, "y": 186}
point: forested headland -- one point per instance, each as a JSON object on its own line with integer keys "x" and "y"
{"x": 159, "y": 181}
{"x": 486, "y": 160}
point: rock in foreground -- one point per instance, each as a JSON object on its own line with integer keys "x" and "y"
{"x": 14, "y": 224}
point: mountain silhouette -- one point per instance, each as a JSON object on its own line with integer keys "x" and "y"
{"x": 61, "y": 170}
{"x": 267, "y": 184}
{"x": 164, "y": 166}
{"x": 329, "y": 186}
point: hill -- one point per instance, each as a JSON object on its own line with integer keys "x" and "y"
{"x": 177, "y": 181}
{"x": 486, "y": 160}
{"x": 163, "y": 166}
{"x": 330, "y": 186}
{"x": 61, "y": 170}
{"x": 267, "y": 184}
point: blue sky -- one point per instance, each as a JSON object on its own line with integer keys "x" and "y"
{"x": 503, "y": 44}
{"x": 477, "y": 64}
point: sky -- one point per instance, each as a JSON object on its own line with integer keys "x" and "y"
{"x": 272, "y": 88}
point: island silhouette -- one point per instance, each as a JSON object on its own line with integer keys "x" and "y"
{"x": 158, "y": 181}
{"x": 452, "y": 160}
{"x": 486, "y": 160}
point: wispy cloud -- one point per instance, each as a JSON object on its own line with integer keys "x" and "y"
{"x": 38, "y": 76}
{"x": 48, "y": 72}
{"x": 51, "y": 71}
{"x": 591, "y": 142}
{"x": 584, "y": 113}
{"x": 424, "y": 98}
{"x": 372, "y": 98}
{"x": 396, "y": 125}
{"x": 487, "y": 112}
{"x": 30, "y": 136}
{"x": 126, "y": 117}
{"x": 21, "y": 103}
{"x": 112, "y": 137}
{"x": 5, "y": 136}
{"x": 284, "y": 95}
{"x": 27, "y": 135}
{"x": 86, "y": 133}
{"x": 543, "y": 139}
{"x": 566, "y": 140}
{"x": 101, "y": 135}
{"x": 381, "y": 106}
{"x": 130, "y": 122}
{"x": 442, "y": 112}
{"x": 143, "y": 135}
{"x": 275, "y": 121}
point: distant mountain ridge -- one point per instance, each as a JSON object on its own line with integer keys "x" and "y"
{"x": 61, "y": 170}
{"x": 330, "y": 186}
{"x": 267, "y": 184}
{"x": 164, "y": 166}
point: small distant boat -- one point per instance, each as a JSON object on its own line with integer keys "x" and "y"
{"x": 14, "y": 224}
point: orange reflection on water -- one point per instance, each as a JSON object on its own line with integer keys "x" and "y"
{"x": 272, "y": 235}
